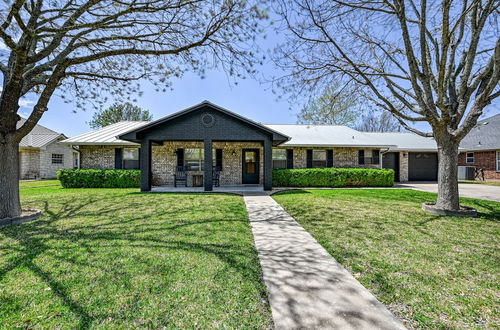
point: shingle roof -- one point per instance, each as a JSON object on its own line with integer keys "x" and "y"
{"x": 107, "y": 135}
{"x": 405, "y": 141}
{"x": 39, "y": 136}
{"x": 484, "y": 136}
{"x": 327, "y": 135}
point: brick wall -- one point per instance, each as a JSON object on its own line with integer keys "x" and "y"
{"x": 403, "y": 166}
{"x": 485, "y": 160}
{"x": 29, "y": 166}
{"x": 164, "y": 161}
{"x": 49, "y": 170}
{"x": 342, "y": 157}
{"x": 97, "y": 157}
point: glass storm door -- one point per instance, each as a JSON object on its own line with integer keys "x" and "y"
{"x": 250, "y": 166}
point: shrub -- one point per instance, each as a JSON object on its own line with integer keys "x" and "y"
{"x": 93, "y": 178}
{"x": 333, "y": 177}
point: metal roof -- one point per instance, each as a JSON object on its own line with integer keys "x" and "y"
{"x": 327, "y": 136}
{"x": 107, "y": 135}
{"x": 39, "y": 137}
{"x": 301, "y": 136}
{"x": 405, "y": 141}
{"x": 484, "y": 136}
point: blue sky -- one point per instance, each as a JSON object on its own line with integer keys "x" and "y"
{"x": 248, "y": 98}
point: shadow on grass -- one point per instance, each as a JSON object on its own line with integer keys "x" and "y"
{"x": 133, "y": 232}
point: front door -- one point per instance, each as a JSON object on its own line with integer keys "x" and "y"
{"x": 250, "y": 166}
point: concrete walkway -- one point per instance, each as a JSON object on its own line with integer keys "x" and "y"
{"x": 307, "y": 288}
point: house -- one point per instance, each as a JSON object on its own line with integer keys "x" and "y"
{"x": 245, "y": 151}
{"x": 41, "y": 155}
{"x": 482, "y": 148}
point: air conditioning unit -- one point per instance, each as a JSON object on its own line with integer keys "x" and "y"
{"x": 466, "y": 172}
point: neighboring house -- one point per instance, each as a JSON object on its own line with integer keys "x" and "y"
{"x": 245, "y": 151}
{"x": 482, "y": 147}
{"x": 41, "y": 155}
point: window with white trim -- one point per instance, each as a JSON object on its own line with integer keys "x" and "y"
{"x": 279, "y": 158}
{"x": 57, "y": 158}
{"x": 498, "y": 160}
{"x": 469, "y": 158}
{"x": 318, "y": 158}
{"x": 194, "y": 159}
{"x": 131, "y": 158}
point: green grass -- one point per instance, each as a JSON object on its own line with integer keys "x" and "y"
{"x": 435, "y": 272}
{"x": 38, "y": 183}
{"x": 116, "y": 258}
{"x": 489, "y": 183}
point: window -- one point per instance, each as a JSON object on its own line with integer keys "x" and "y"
{"x": 318, "y": 158}
{"x": 498, "y": 160}
{"x": 131, "y": 158}
{"x": 469, "y": 159}
{"x": 57, "y": 158}
{"x": 194, "y": 159}
{"x": 367, "y": 157}
{"x": 279, "y": 158}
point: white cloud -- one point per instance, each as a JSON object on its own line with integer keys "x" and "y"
{"x": 25, "y": 103}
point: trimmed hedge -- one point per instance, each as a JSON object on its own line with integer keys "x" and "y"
{"x": 93, "y": 178}
{"x": 333, "y": 177}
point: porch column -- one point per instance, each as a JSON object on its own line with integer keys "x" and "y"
{"x": 268, "y": 165}
{"x": 208, "y": 165}
{"x": 145, "y": 165}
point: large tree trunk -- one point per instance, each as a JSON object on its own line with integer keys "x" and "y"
{"x": 10, "y": 205}
{"x": 448, "y": 175}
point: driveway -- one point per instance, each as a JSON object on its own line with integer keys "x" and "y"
{"x": 473, "y": 190}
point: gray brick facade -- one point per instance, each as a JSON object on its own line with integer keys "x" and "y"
{"x": 36, "y": 163}
{"x": 164, "y": 159}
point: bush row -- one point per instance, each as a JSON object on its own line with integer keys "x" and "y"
{"x": 93, "y": 178}
{"x": 333, "y": 177}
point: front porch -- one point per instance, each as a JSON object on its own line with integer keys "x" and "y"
{"x": 200, "y": 139}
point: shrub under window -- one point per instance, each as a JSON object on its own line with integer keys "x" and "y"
{"x": 333, "y": 177}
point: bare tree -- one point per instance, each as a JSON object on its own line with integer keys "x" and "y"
{"x": 83, "y": 49}
{"x": 373, "y": 121}
{"x": 336, "y": 105}
{"x": 435, "y": 62}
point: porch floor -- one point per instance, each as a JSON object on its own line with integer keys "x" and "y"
{"x": 231, "y": 189}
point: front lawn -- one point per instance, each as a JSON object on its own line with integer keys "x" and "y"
{"x": 435, "y": 272}
{"x": 38, "y": 183}
{"x": 117, "y": 258}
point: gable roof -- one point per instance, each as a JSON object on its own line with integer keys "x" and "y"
{"x": 405, "y": 141}
{"x": 132, "y": 134}
{"x": 39, "y": 137}
{"x": 107, "y": 135}
{"x": 328, "y": 136}
{"x": 484, "y": 136}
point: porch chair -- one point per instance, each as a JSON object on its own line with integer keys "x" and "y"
{"x": 216, "y": 176}
{"x": 180, "y": 175}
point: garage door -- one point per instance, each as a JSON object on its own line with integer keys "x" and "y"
{"x": 422, "y": 166}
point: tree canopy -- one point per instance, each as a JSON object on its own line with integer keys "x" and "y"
{"x": 85, "y": 50}
{"x": 432, "y": 62}
{"x": 119, "y": 112}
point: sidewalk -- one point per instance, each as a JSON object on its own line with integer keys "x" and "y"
{"x": 307, "y": 287}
